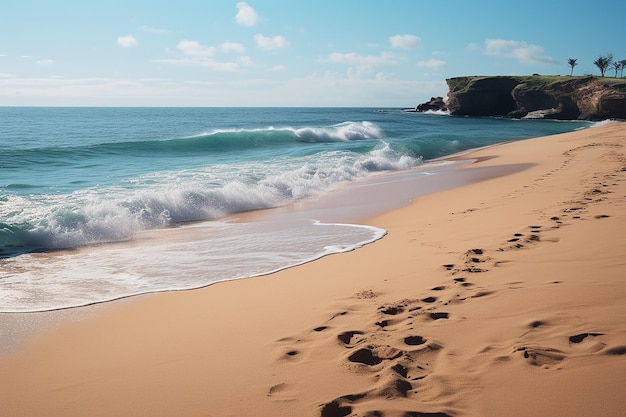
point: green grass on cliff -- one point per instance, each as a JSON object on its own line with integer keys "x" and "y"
{"x": 541, "y": 82}
{"x": 534, "y": 82}
{"x": 461, "y": 84}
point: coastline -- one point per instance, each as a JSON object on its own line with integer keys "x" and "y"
{"x": 387, "y": 327}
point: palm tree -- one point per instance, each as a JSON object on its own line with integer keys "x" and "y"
{"x": 603, "y": 63}
{"x": 617, "y": 66}
{"x": 572, "y": 63}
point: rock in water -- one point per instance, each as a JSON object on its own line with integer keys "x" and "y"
{"x": 434, "y": 104}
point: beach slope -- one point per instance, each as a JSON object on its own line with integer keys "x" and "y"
{"x": 503, "y": 297}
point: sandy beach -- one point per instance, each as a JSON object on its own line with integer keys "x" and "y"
{"x": 503, "y": 297}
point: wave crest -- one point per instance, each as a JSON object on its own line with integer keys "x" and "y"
{"x": 163, "y": 199}
{"x": 604, "y": 123}
{"x": 342, "y": 132}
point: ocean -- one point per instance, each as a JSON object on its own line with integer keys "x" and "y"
{"x": 98, "y": 204}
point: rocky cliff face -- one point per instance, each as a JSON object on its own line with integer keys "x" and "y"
{"x": 549, "y": 97}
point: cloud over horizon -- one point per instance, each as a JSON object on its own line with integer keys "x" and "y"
{"x": 518, "y": 50}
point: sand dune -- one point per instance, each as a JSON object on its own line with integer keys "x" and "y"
{"x": 498, "y": 298}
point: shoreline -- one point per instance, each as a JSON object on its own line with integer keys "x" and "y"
{"x": 397, "y": 326}
{"x": 349, "y": 204}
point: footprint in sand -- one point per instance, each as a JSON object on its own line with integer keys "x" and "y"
{"x": 470, "y": 260}
{"x": 392, "y": 311}
{"x": 580, "y": 337}
{"x": 282, "y": 392}
{"x": 334, "y": 409}
{"x": 396, "y": 373}
{"x": 540, "y": 356}
{"x": 374, "y": 355}
{"x": 537, "y": 323}
{"x": 348, "y": 338}
{"x": 439, "y": 316}
{"x": 414, "y": 340}
{"x": 483, "y": 293}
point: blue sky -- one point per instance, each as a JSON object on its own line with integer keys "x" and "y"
{"x": 395, "y": 53}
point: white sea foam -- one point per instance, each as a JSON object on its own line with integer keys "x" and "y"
{"x": 185, "y": 258}
{"x": 341, "y": 132}
{"x": 161, "y": 199}
{"x": 348, "y": 131}
{"x": 604, "y": 122}
{"x": 438, "y": 112}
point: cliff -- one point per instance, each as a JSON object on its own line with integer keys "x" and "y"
{"x": 549, "y": 97}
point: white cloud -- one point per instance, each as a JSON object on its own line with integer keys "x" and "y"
{"x": 407, "y": 41}
{"x": 196, "y": 54}
{"x": 360, "y": 65}
{"x": 246, "y": 15}
{"x": 278, "y": 68}
{"x": 26, "y": 56}
{"x": 432, "y": 64}
{"x": 268, "y": 43}
{"x": 127, "y": 41}
{"x": 232, "y": 47}
{"x": 193, "y": 48}
{"x": 521, "y": 51}
{"x": 45, "y": 62}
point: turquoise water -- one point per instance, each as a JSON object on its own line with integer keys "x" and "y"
{"x": 72, "y": 178}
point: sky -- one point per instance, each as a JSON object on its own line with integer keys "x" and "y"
{"x": 323, "y": 53}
